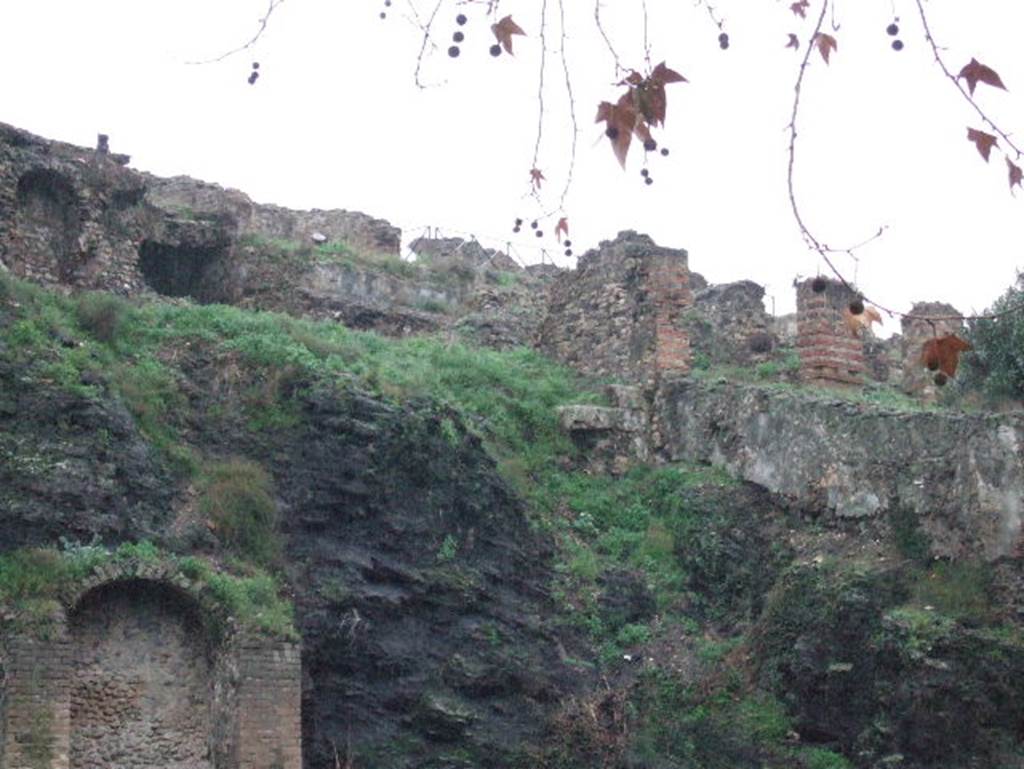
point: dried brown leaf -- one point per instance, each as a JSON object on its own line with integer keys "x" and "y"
{"x": 503, "y": 30}
{"x": 975, "y": 72}
{"x": 800, "y": 8}
{"x": 944, "y": 354}
{"x": 663, "y": 75}
{"x": 620, "y": 121}
{"x": 1016, "y": 175}
{"x": 794, "y": 42}
{"x": 983, "y": 141}
{"x": 861, "y": 321}
{"x": 826, "y": 44}
{"x": 536, "y": 177}
{"x": 562, "y": 228}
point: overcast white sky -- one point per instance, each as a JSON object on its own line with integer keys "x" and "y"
{"x": 335, "y": 121}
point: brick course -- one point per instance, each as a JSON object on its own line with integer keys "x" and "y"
{"x": 829, "y": 353}
{"x": 141, "y": 680}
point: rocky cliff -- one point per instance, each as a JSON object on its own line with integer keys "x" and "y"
{"x": 472, "y": 582}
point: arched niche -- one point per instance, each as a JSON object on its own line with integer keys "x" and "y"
{"x": 48, "y": 221}
{"x": 141, "y": 679}
{"x": 142, "y": 668}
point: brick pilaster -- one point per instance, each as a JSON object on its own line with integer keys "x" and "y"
{"x": 829, "y": 353}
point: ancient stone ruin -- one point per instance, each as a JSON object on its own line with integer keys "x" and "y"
{"x": 829, "y": 352}
{"x": 622, "y": 312}
{"x": 139, "y": 669}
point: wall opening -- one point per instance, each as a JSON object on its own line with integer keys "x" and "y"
{"x": 48, "y": 221}
{"x": 141, "y": 691}
{"x": 184, "y": 270}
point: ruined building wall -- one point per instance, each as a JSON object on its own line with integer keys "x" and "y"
{"x": 76, "y": 217}
{"x": 829, "y": 352}
{"x": 621, "y": 313}
{"x": 35, "y": 703}
{"x": 728, "y": 324}
{"x": 140, "y": 692}
{"x": 135, "y": 677}
{"x": 959, "y": 476}
{"x": 926, "y": 322}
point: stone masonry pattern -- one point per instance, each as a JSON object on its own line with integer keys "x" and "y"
{"x": 622, "y": 312}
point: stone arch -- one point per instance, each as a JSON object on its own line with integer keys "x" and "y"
{"x": 144, "y": 668}
{"x": 49, "y": 221}
{"x": 141, "y": 678}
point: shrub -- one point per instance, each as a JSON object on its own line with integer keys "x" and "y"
{"x": 960, "y": 590}
{"x": 996, "y": 365}
{"x": 101, "y": 314}
{"x": 237, "y": 498}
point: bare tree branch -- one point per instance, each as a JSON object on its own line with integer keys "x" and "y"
{"x": 572, "y": 106}
{"x": 619, "y": 69}
{"x": 956, "y": 82}
{"x": 540, "y": 86}
{"x": 426, "y": 39}
{"x": 815, "y": 243}
{"x": 255, "y": 38}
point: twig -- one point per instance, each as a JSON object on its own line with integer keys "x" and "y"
{"x": 255, "y": 38}
{"x": 540, "y": 87}
{"x": 712, "y": 13}
{"x": 647, "y": 39}
{"x": 956, "y": 81}
{"x": 572, "y": 107}
{"x": 823, "y": 250}
{"x": 426, "y": 40}
{"x": 619, "y": 69}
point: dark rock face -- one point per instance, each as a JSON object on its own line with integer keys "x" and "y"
{"x": 421, "y": 591}
{"x": 859, "y": 672}
{"x": 74, "y": 467}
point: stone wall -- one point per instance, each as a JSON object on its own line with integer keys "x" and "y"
{"x": 139, "y": 674}
{"x": 728, "y": 324}
{"x": 959, "y": 475}
{"x": 69, "y": 215}
{"x": 926, "y": 320}
{"x": 78, "y": 218}
{"x": 269, "y": 705}
{"x": 622, "y": 312}
{"x": 35, "y": 702}
{"x": 189, "y": 198}
{"x": 829, "y": 352}
{"x": 140, "y": 690}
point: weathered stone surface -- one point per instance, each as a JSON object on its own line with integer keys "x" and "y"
{"x": 457, "y": 252}
{"x": 610, "y": 438}
{"x": 728, "y": 324}
{"x": 622, "y": 312}
{"x": 926, "y": 320}
{"x": 960, "y": 475}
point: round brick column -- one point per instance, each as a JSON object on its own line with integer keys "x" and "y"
{"x": 829, "y": 352}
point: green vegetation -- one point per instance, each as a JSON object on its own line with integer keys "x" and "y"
{"x": 448, "y": 550}
{"x": 677, "y": 526}
{"x": 721, "y": 726}
{"x": 996, "y": 366}
{"x": 35, "y": 581}
{"x": 237, "y": 498}
{"x": 707, "y": 572}
{"x": 959, "y": 590}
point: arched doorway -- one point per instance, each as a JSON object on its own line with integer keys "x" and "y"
{"x": 141, "y": 688}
